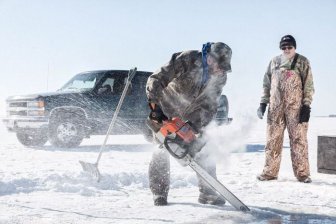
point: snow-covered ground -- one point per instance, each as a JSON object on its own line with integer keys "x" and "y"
{"x": 47, "y": 184}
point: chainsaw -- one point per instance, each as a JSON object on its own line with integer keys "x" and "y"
{"x": 183, "y": 143}
{"x": 178, "y": 137}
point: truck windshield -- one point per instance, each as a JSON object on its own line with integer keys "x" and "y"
{"x": 81, "y": 82}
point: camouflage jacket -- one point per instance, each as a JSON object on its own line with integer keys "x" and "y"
{"x": 302, "y": 67}
{"x": 176, "y": 87}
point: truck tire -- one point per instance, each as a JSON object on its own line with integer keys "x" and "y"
{"x": 223, "y": 110}
{"x": 224, "y": 104}
{"x": 32, "y": 139}
{"x": 66, "y": 131}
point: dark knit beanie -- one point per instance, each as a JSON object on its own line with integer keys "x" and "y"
{"x": 287, "y": 40}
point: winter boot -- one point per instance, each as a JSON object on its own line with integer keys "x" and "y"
{"x": 265, "y": 177}
{"x": 160, "y": 200}
{"x": 304, "y": 179}
{"x": 210, "y": 199}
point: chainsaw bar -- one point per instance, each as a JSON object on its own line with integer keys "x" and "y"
{"x": 216, "y": 185}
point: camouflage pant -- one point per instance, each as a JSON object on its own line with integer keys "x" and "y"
{"x": 159, "y": 173}
{"x": 284, "y": 111}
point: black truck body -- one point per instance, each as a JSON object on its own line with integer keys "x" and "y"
{"x": 83, "y": 107}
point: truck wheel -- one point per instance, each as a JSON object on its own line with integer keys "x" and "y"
{"x": 66, "y": 131}
{"x": 31, "y": 139}
{"x": 223, "y": 110}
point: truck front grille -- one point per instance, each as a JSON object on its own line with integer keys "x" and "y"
{"x": 17, "y": 108}
{"x": 23, "y": 109}
{"x": 17, "y": 104}
{"x": 18, "y": 113}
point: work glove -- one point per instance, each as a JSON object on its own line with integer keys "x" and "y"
{"x": 304, "y": 114}
{"x": 261, "y": 110}
{"x": 157, "y": 114}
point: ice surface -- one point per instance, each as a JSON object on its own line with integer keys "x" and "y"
{"x": 47, "y": 184}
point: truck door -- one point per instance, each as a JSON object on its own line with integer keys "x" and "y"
{"x": 108, "y": 92}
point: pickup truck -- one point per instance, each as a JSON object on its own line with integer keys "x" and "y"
{"x": 83, "y": 107}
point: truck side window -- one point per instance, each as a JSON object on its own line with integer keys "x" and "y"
{"x": 140, "y": 85}
{"x": 107, "y": 87}
{"x": 114, "y": 85}
{"x": 119, "y": 86}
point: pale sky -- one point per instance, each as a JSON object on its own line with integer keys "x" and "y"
{"x": 44, "y": 43}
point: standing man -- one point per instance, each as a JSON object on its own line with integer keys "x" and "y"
{"x": 288, "y": 89}
{"x": 188, "y": 87}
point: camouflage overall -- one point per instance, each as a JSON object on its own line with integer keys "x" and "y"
{"x": 286, "y": 96}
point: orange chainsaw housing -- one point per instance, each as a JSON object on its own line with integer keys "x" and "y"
{"x": 182, "y": 129}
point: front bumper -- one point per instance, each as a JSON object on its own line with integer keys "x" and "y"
{"x": 15, "y": 124}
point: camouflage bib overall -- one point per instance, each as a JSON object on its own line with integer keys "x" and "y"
{"x": 284, "y": 109}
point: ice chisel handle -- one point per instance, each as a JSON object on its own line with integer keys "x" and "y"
{"x": 131, "y": 74}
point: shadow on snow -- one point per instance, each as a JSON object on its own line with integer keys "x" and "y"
{"x": 96, "y": 148}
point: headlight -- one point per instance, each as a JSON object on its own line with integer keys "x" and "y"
{"x": 35, "y": 108}
{"x": 35, "y": 113}
{"x": 35, "y": 104}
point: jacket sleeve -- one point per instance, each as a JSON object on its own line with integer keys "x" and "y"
{"x": 266, "y": 85}
{"x": 160, "y": 79}
{"x": 308, "y": 84}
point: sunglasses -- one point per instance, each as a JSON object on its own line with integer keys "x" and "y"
{"x": 288, "y": 48}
